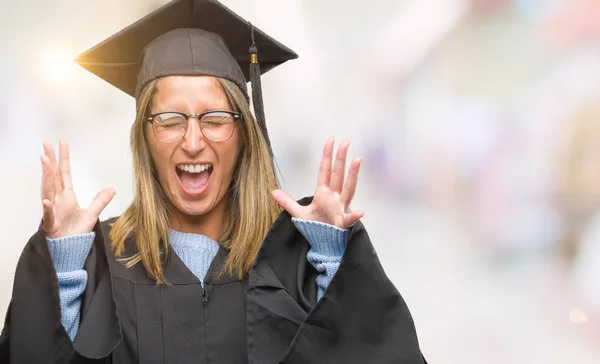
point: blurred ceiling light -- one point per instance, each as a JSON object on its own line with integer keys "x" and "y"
{"x": 490, "y": 6}
{"x": 577, "y": 316}
{"x": 536, "y": 10}
{"x": 418, "y": 27}
{"x": 58, "y": 65}
{"x": 577, "y": 22}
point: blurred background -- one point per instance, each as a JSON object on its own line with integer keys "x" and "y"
{"x": 478, "y": 121}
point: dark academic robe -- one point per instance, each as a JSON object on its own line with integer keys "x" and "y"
{"x": 271, "y": 316}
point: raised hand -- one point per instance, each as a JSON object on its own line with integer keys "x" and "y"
{"x": 332, "y": 198}
{"x": 62, "y": 214}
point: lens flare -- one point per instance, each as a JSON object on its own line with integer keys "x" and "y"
{"x": 58, "y": 66}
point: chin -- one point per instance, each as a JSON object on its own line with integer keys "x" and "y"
{"x": 196, "y": 206}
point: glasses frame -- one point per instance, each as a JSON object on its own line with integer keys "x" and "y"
{"x": 236, "y": 117}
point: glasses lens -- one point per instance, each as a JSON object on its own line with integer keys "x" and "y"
{"x": 169, "y": 127}
{"x": 217, "y": 126}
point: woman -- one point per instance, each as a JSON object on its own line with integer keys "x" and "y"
{"x": 202, "y": 267}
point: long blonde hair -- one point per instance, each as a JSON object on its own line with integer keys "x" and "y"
{"x": 251, "y": 208}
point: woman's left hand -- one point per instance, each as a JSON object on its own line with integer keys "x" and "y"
{"x": 331, "y": 201}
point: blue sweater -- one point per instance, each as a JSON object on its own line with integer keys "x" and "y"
{"x": 195, "y": 251}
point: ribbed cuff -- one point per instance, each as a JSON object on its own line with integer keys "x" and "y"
{"x": 325, "y": 239}
{"x": 69, "y": 253}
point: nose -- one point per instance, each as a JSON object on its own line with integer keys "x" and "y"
{"x": 193, "y": 142}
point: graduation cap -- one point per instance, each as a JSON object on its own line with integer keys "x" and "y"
{"x": 188, "y": 37}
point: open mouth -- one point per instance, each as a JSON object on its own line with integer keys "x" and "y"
{"x": 194, "y": 177}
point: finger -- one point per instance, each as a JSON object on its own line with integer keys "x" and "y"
{"x": 48, "y": 221}
{"x": 47, "y": 180}
{"x": 287, "y": 203}
{"x": 351, "y": 181}
{"x": 58, "y": 187}
{"x": 325, "y": 167}
{"x": 100, "y": 202}
{"x": 64, "y": 165}
{"x": 339, "y": 168}
{"x": 351, "y": 218}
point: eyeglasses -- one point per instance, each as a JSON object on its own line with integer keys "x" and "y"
{"x": 171, "y": 126}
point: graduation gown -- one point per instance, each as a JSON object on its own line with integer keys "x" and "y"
{"x": 270, "y": 316}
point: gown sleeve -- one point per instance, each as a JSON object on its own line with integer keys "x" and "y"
{"x": 33, "y": 331}
{"x": 327, "y": 248}
{"x": 361, "y": 317}
{"x": 69, "y": 255}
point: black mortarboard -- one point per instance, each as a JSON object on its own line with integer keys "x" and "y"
{"x": 188, "y": 37}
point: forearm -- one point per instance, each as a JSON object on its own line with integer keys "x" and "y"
{"x": 69, "y": 255}
{"x": 327, "y": 248}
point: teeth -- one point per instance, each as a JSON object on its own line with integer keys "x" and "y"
{"x": 194, "y": 168}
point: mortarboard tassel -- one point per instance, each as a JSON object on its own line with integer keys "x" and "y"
{"x": 257, "y": 99}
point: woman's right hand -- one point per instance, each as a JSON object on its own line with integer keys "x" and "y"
{"x": 62, "y": 214}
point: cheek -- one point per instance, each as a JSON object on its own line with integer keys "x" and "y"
{"x": 228, "y": 161}
{"x": 162, "y": 169}
{"x": 234, "y": 152}
{"x": 159, "y": 154}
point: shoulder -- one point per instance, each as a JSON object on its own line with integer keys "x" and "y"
{"x": 107, "y": 224}
{"x": 102, "y": 230}
{"x": 120, "y": 268}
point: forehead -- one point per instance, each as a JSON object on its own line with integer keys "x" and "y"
{"x": 189, "y": 94}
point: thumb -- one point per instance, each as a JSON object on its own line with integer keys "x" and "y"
{"x": 101, "y": 200}
{"x": 287, "y": 203}
{"x": 351, "y": 218}
{"x": 49, "y": 225}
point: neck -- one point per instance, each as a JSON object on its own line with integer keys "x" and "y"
{"x": 212, "y": 224}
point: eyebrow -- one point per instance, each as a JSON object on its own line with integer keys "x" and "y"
{"x": 165, "y": 107}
